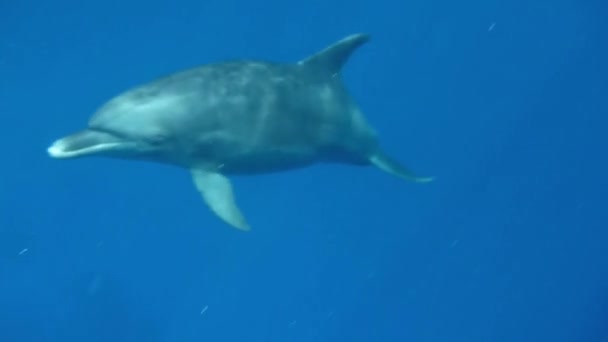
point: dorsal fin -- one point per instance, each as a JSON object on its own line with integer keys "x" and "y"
{"x": 333, "y": 57}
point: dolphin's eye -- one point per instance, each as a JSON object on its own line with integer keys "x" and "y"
{"x": 158, "y": 138}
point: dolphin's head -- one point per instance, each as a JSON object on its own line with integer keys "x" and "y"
{"x": 135, "y": 125}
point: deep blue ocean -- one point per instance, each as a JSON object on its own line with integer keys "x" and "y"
{"x": 504, "y": 102}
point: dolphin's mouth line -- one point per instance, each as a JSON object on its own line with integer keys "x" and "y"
{"x": 58, "y": 150}
{"x": 85, "y": 143}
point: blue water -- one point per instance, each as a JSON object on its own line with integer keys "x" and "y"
{"x": 503, "y": 102}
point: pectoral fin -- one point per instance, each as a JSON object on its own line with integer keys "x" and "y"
{"x": 216, "y": 190}
{"x": 389, "y": 165}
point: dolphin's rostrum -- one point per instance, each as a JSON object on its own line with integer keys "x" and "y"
{"x": 238, "y": 117}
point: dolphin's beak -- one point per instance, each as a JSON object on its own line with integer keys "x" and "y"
{"x": 86, "y": 143}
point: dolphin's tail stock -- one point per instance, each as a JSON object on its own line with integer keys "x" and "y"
{"x": 389, "y": 165}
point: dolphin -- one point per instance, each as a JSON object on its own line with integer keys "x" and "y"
{"x": 238, "y": 117}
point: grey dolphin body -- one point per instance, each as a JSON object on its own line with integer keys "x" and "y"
{"x": 238, "y": 117}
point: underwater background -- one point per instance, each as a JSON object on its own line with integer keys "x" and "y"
{"x": 504, "y": 102}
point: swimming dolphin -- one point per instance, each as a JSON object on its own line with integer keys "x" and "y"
{"x": 237, "y": 118}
